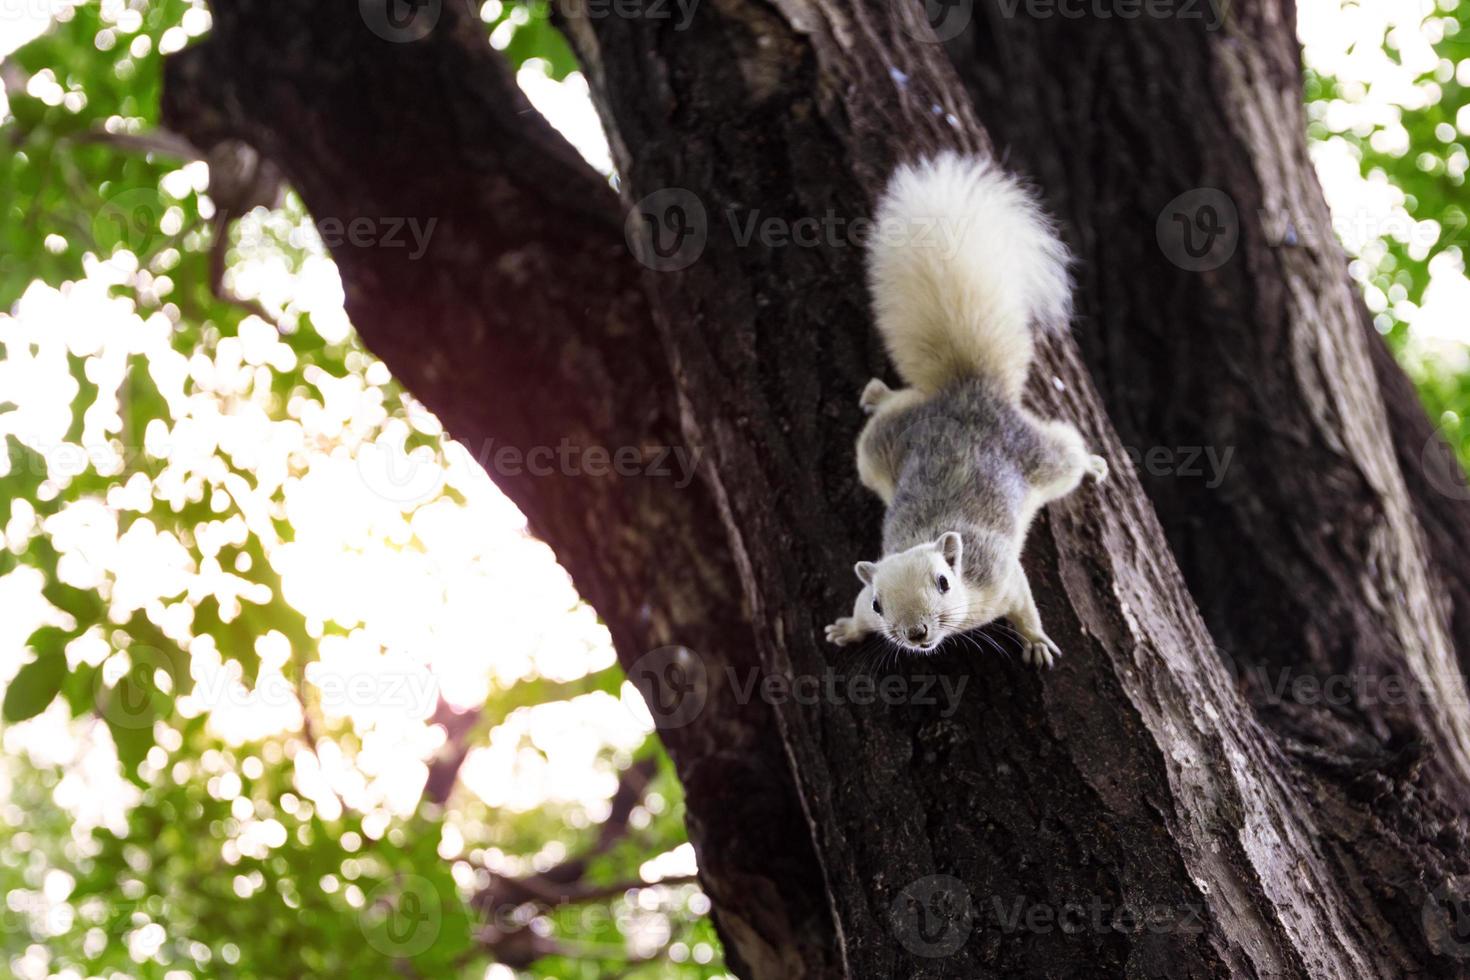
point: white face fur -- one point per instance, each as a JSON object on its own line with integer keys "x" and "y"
{"x": 920, "y": 596}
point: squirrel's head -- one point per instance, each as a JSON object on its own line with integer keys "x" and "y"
{"x": 919, "y": 594}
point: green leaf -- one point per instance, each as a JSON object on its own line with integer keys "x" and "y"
{"x": 133, "y": 743}
{"x": 86, "y": 396}
{"x": 27, "y": 471}
{"x": 37, "y": 682}
{"x": 83, "y": 604}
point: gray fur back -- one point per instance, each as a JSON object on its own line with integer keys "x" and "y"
{"x": 961, "y": 457}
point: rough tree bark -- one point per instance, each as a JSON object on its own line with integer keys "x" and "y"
{"x": 1136, "y": 780}
{"x": 1328, "y": 557}
{"x": 822, "y": 91}
{"x": 1263, "y": 351}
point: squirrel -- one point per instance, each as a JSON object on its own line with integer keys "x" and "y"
{"x": 960, "y": 465}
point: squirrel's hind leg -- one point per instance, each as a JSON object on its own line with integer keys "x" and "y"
{"x": 878, "y": 397}
{"x": 880, "y": 446}
{"x": 1061, "y": 461}
{"x": 874, "y": 395}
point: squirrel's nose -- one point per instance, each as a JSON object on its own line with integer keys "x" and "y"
{"x": 917, "y": 633}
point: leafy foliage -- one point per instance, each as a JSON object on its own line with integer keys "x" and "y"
{"x": 1421, "y": 150}
{"x": 191, "y": 424}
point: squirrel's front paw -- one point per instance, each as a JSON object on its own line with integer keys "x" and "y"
{"x": 1041, "y": 652}
{"x": 1097, "y": 468}
{"x": 844, "y": 631}
{"x": 874, "y": 395}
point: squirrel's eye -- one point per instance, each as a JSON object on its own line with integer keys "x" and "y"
{"x": 877, "y": 608}
{"x": 943, "y": 584}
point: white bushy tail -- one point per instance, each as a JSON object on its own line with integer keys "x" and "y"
{"x": 964, "y": 269}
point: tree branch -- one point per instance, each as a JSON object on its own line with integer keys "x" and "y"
{"x": 524, "y": 326}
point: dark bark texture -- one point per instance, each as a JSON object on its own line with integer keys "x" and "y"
{"x": 1327, "y": 557}
{"x": 1266, "y": 356}
{"x": 1142, "y": 811}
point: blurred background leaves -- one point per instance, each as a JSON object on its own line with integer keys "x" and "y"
{"x": 1388, "y": 96}
{"x": 198, "y": 479}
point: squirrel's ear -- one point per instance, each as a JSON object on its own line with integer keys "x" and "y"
{"x": 865, "y": 570}
{"x": 952, "y": 547}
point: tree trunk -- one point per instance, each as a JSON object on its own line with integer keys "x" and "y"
{"x": 1328, "y": 557}
{"x": 1306, "y": 552}
{"x": 1127, "y": 815}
